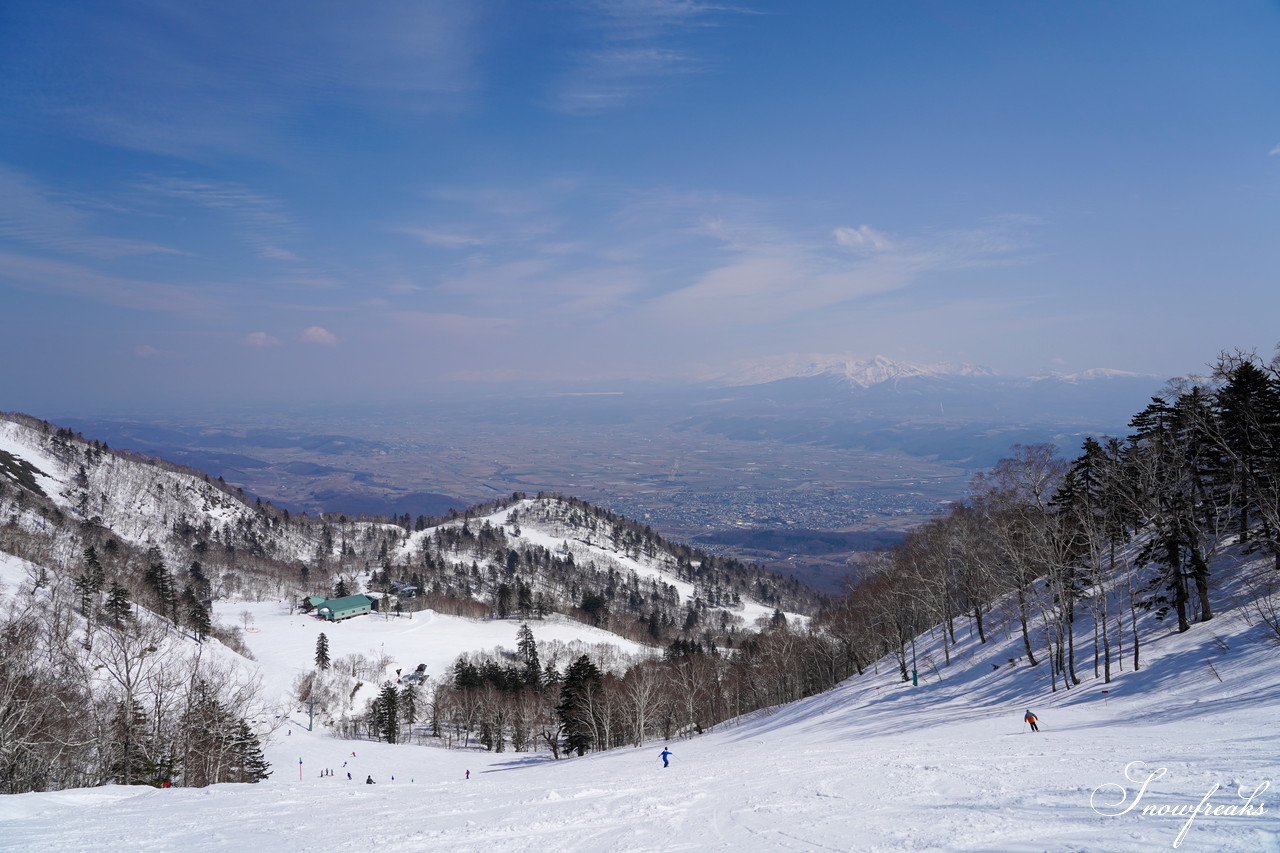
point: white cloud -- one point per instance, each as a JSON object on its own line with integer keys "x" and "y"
{"x": 318, "y": 335}
{"x": 862, "y": 237}
{"x": 145, "y": 351}
{"x": 1275, "y": 150}
{"x": 260, "y": 339}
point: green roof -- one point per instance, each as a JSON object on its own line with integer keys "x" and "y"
{"x": 349, "y": 602}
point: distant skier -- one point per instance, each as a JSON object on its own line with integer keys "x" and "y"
{"x": 666, "y": 757}
{"x": 468, "y": 774}
{"x": 369, "y": 780}
{"x": 1031, "y": 718}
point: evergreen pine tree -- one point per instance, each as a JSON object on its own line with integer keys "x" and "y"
{"x": 118, "y": 607}
{"x": 196, "y": 614}
{"x": 385, "y": 714}
{"x": 527, "y": 650}
{"x": 322, "y": 651}
{"x": 577, "y": 698}
{"x": 248, "y": 763}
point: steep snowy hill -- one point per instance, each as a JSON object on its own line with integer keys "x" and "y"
{"x": 1182, "y": 753}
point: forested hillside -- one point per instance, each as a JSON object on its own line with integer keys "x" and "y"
{"x": 126, "y": 557}
{"x": 1133, "y": 537}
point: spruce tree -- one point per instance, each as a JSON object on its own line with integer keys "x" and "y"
{"x": 322, "y": 651}
{"x": 386, "y": 714}
{"x": 527, "y": 650}
{"x": 197, "y": 615}
{"x": 118, "y": 607}
{"x": 248, "y": 763}
{"x": 578, "y": 695}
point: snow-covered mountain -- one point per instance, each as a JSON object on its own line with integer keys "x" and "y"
{"x": 859, "y": 373}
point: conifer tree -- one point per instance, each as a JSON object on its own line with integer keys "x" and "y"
{"x": 385, "y": 714}
{"x": 248, "y": 763}
{"x": 322, "y": 652}
{"x": 527, "y": 650}
{"x": 196, "y": 614}
{"x": 118, "y": 607}
{"x": 578, "y": 695}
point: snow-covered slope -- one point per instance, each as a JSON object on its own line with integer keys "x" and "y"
{"x": 540, "y": 523}
{"x": 875, "y": 765}
{"x": 139, "y": 502}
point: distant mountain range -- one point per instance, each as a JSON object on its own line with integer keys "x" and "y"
{"x": 860, "y": 373}
{"x": 847, "y": 396}
{"x": 878, "y": 370}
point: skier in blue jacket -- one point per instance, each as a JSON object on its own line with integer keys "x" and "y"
{"x": 665, "y": 756}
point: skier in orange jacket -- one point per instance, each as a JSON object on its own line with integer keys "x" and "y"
{"x": 1031, "y": 718}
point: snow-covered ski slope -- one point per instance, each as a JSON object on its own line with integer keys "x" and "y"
{"x": 875, "y": 765}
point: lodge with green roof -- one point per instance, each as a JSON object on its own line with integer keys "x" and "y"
{"x": 337, "y": 609}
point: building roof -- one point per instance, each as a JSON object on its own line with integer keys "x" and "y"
{"x": 347, "y": 602}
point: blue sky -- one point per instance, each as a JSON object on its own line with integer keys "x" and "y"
{"x": 298, "y": 201}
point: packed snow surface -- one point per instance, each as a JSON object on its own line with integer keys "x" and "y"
{"x": 875, "y": 765}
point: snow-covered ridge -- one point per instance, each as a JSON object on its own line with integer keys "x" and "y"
{"x": 539, "y": 523}
{"x": 862, "y": 373}
{"x": 878, "y": 370}
{"x": 1093, "y": 375}
{"x": 139, "y": 502}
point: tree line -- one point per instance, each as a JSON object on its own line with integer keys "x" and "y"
{"x": 1135, "y": 526}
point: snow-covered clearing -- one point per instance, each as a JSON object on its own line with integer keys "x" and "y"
{"x": 875, "y": 765}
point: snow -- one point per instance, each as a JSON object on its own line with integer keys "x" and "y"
{"x": 16, "y": 440}
{"x": 531, "y": 533}
{"x": 284, "y": 643}
{"x": 875, "y": 765}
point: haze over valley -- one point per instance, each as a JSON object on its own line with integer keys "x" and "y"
{"x": 803, "y": 472}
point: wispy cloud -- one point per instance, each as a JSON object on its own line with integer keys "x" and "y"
{"x": 460, "y": 326}
{"x": 443, "y": 239}
{"x": 767, "y": 281}
{"x": 864, "y": 237}
{"x": 39, "y": 216}
{"x": 263, "y": 223}
{"x": 186, "y": 78}
{"x": 260, "y": 340}
{"x": 318, "y": 335}
{"x": 45, "y": 276}
{"x": 639, "y": 46}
